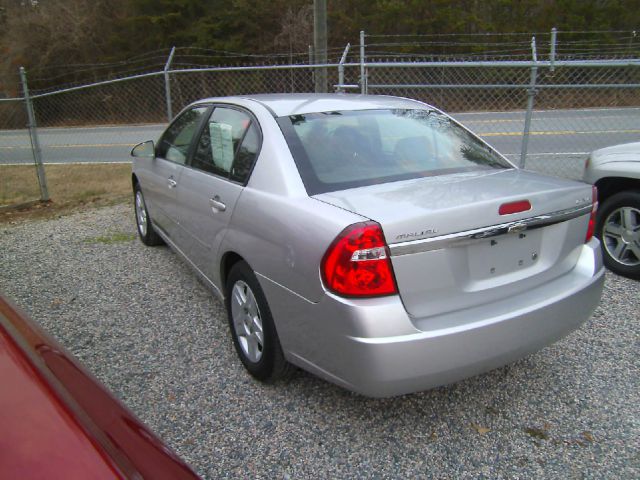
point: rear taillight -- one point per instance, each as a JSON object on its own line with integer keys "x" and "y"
{"x": 592, "y": 218}
{"x": 357, "y": 263}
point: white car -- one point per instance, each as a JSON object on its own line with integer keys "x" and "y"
{"x": 616, "y": 172}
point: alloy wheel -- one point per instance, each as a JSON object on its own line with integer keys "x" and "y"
{"x": 247, "y": 321}
{"x": 621, "y": 235}
{"x": 141, "y": 213}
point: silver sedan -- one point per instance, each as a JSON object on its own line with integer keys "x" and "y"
{"x": 373, "y": 241}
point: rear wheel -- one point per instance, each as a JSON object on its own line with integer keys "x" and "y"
{"x": 252, "y": 328}
{"x": 618, "y": 228}
{"x": 145, "y": 229}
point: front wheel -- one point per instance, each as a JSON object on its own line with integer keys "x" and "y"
{"x": 145, "y": 229}
{"x": 252, "y": 328}
{"x": 618, "y": 228}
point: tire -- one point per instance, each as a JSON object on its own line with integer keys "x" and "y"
{"x": 618, "y": 229}
{"x": 143, "y": 221}
{"x": 253, "y": 331}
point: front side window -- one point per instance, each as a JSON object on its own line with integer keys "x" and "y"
{"x": 228, "y": 144}
{"x": 346, "y": 149}
{"x": 174, "y": 144}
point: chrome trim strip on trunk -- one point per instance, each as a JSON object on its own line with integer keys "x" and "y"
{"x": 469, "y": 236}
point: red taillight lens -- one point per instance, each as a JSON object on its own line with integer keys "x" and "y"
{"x": 357, "y": 263}
{"x": 514, "y": 207}
{"x": 592, "y": 218}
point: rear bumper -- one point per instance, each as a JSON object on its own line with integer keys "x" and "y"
{"x": 373, "y": 347}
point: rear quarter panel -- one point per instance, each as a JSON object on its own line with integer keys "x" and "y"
{"x": 276, "y": 227}
{"x": 284, "y": 238}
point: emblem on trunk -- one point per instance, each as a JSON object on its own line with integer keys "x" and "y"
{"x": 405, "y": 236}
{"x": 517, "y": 227}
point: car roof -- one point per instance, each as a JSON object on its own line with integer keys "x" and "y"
{"x": 284, "y": 104}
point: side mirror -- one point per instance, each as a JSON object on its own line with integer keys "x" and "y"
{"x": 145, "y": 150}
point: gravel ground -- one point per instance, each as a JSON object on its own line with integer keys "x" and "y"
{"x": 139, "y": 319}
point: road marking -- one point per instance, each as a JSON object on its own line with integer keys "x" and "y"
{"x": 88, "y": 162}
{"x": 481, "y": 134}
{"x": 558, "y": 132}
{"x": 512, "y": 112}
{"x": 506, "y": 120}
{"x": 545, "y": 154}
{"x": 546, "y": 119}
{"x": 13, "y": 137}
{"x": 92, "y": 145}
{"x": 146, "y": 126}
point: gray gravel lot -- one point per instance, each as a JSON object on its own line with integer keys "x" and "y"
{"x": 140, "y": 320}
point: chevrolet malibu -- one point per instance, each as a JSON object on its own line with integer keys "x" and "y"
{"x": 371, "y": 240}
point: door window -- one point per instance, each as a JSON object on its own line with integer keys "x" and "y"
{"x": 174, "y": 144}
{"x": 228, "y": 144}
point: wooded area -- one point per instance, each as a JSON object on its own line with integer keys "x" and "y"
{"x": 52, "y": 38}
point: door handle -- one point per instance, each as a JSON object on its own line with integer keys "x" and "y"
{"x": 216, "y": 204}
{"x": 171, "y": 182}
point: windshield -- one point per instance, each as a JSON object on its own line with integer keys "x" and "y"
{"x": 346, "y": 149}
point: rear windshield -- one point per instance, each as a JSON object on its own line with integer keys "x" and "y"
{"x": 346, "y": 149}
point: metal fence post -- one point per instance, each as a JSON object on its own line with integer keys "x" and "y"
{"x": 167, "y": 84}
{"x": 313, "y": 73}
{"x": 340, "y": 88}
{"x": 531, "y": 93}
{"x": 552, "y": 54}
{"x": 363, "y": 72}
{"x": 33, "y": 134}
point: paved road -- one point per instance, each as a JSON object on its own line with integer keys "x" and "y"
{"x": 559, "y": 131}
{"x": 560, "y": 139}
{"x": 565, "y": 134}
{"x": 70, "y": 145}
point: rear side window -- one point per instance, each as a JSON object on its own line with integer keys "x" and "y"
{"x": 246, "y": 155}
{"x": 346, "y": 149}
{"x": 228, "y": 144}
{"x": 174, "y": 144}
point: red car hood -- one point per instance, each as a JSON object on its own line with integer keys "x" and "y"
{"x": 58, "y": 421}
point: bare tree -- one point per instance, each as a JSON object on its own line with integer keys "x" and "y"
{"x": 296, "y": 32}
{"x": 47, "y": 36}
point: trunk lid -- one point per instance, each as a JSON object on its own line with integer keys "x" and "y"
{"x": 451, "y": 249}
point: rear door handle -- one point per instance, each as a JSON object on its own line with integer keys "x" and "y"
{"x": 217, "y": 205}
{"x": 171, "y": 182}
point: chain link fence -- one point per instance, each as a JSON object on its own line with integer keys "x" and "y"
{"x": 578, "y": 110}
{"x": 14, "y": 137}
{"x": 577, "y": 106}
{"x": 544, "y": 115}
{"x": 15, "y": 147}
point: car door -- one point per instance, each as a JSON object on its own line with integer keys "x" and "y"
{"x": 162, "y": 177}
{"x": 211, "y": 185}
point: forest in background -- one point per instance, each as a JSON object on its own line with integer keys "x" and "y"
{"x": 63, "y": 41}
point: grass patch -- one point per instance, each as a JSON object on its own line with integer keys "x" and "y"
{"x": 70, "y": 187}
{"x": 116, "y": 237}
